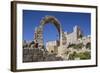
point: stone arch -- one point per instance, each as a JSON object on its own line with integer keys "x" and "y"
{"x": 53, "y": 20}
{"x": 43, "y": 22}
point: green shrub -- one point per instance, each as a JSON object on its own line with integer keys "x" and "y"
{"x": 88, "y": 45}
{"x": 82, "y": 55}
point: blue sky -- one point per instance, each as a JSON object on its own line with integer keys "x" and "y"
{"x": 68, "y": 20}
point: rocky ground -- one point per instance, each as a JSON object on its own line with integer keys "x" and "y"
{"x": 38, "y": 55}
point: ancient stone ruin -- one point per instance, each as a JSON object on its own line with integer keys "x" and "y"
{"x": 58, "y": 50}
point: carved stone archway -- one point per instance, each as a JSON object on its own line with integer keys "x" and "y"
{"x": 39, "y": 30}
